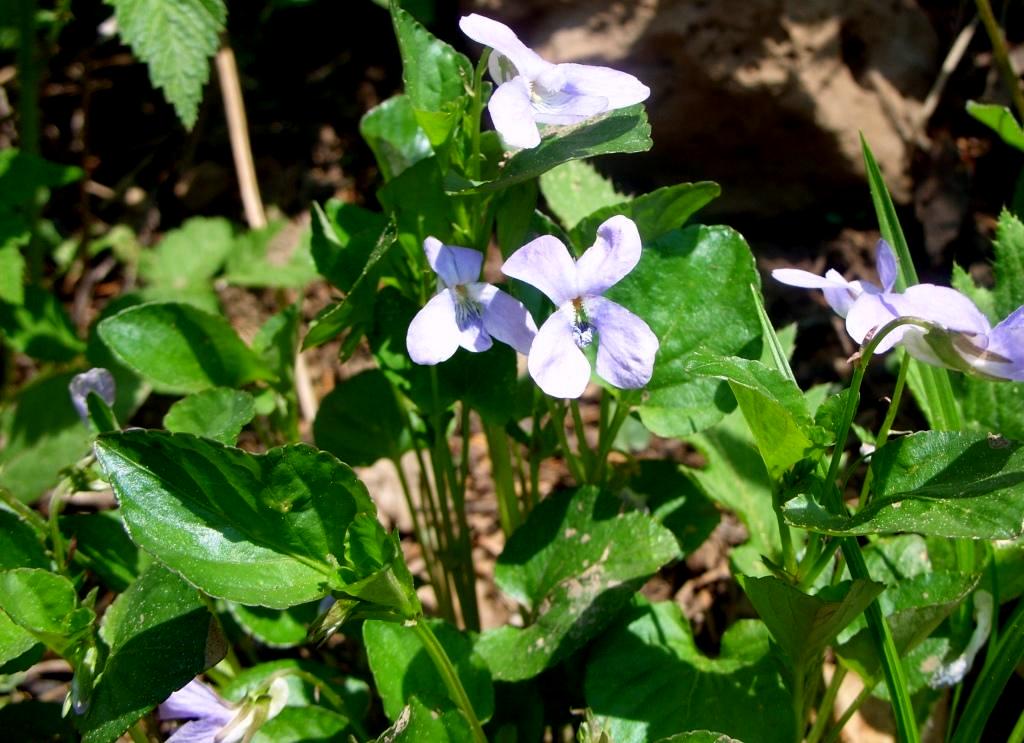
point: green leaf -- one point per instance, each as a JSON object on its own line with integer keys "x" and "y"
{"x": 394, "y": 135}
{"x": 272, "y": 530}
{"x": 646, "y": 679}
{"x": 20, "y": 545}
{"x": 417, "y": 201}
{"x": 22, "y": 174}
{"x": 420, "y": 723}
{"x": 699, "y": 736}
{"x": 1009, "y": 264}
{"x": 360, "y": 421}
{"x": 692, "y": 288}
{"x": 266, "y": 258}
{"x": 276, "y": 628}
{"x": 103, "y": 547}
{"x": 805, "y": 625}
{"x": 436, "y": 76}
{"x": 939, "y": 483}
{"x": 309, "y": 683}
{"x": 661, "y": 488}
{"x": 33, "y": 720}
{"x": 575, "y": 189}
{"x": 303, "y": 725}
{"x": 655, "y": 213}
{"x": 402, "y": 669}
{"x": 999, "y": 119}
{"x": 180, "y": 349}
{"x": 43, "y": 436}
{"x": 344, "y": 236}
{"x": 218, "y": 413}
{"x": 46, "y": 605}
{"x": 624, "y": 130}
{"x": 39, "y": 327}
{"x": 19, "y": 649}
{"x": 160, "y": 635}
{"x": 774, "y": 408}
{"x": 188, "y": 258}
{"x": 573, "y": 565}
{"x": 175, "y": 40}
{"x": 735, "y": 477}
{"x": 12, "y": 274}
{"x": 276, "y": 342}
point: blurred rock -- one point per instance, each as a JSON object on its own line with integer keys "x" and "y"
{"x": 767, "y": 97}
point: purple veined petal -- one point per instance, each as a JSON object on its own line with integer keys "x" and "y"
{"x": 941, "y": 305}
{"x": 626, "y": 345}
{"x": 556, "y": 364}
{"x": 473, "y": 336}
{"x": 505, "y": 317}
{"x": 195, "y": 701}
{"x": 453, "y": 264}
{"x": 842, "y": 299}
{"x": 553, "y": 104}
{"x": 868, "y": 315}
{"x": 503, "y": 40}
{"x": 96, "y": 380}
{"x": 512, "y": 112}
{"x": 546, "y": 264}
{"x": 620, "y": 88}
{"x": 886, "y": 264}
{"x": 1004, "y": 356}
{"x": 197, "y": 731}
{"x": 613, "y": 255}
{"x": 434, "y": 334}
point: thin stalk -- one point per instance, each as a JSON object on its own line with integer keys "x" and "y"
{"x": 799, "y": 713}
{"x": 890, "y": 416}
{"x": 464, "y": 428}
{"x": 586, "y": 454}
{"x": 137, "y": 732}
{"x": 28, "y": 76}
{"x": 29, "y": 515}
{"x": 1001, "y": 55}
{"x": 1017, "y": 734}
{"x": 855, "y": 705}
{"x": 785, "y": 535}
{"x": 451, "y": 680}
{"x": 476, "y": 108}
{"x": 827, "y": 703}
{"x": 504, "y": 481}
{"x": 558, "y": 422}
{"x": 609, "y": 432}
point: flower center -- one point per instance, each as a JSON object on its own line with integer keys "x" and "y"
{"x": 582, "y": 330}
{"x": 467, "y": 309}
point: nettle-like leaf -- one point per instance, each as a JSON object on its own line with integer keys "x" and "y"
{"x": 575, "y": 189}
{"x": 179, "y": 348}
{"x": 624, "y": 130}
{"x": 187, "y": 259}
{"x": 175, "y": 40}
{"x": 402, "y": 669}
{"x": 278, "y": 529}
{"x": 646, "y": 680}
{"x": 160, "y": 635}
{"x": 692, "y": 286}
{"x": 936, "y": 483}
{"x": 573, "y": 565}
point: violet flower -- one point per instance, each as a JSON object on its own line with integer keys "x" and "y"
{"x": 625, "y": 344}
{"x": 955, "y": 334}
{"x": 96, "y": 380}
{"x": 212, "y": 720}
{"x": 465, "y": 312}
{"x": 533, "y": 91}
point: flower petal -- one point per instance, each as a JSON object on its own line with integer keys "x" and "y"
{"x": 554, "y": 104}
{"x": 1004, "y": 356}
{"x": 807, "y": 280}
{"x": 942, "y": 306}
{"x": 197, "y": 731}
{"x": 512, "y": 113}
{"x": 842, "y": 299}
{"x": 619, "y": 88}
{"x": 868, "y": 314}
{"x": 557, "y": 366}
{"x": 194, "y": 701}
{"x": 96, "y": 380}
{"x": 434, "y": 334}
{"x": 506, "y": 318}
{"x": 546, "y": 264}
{"x": 453, "y": 264}
{"x": 885, "y": 262}
{"x": 503, "y": 40}
{"x": 626, "y": 345}
{"x": 613, "y": 255}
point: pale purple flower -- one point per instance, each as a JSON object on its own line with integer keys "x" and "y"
{"x": 958, "y": 335}
{"x": 465, "y": 312}
{"x": 533, "y": 91}
{"x": 213, "y": 720}
{"x": 95, "y": 380}
{"x": 625, "y": 344}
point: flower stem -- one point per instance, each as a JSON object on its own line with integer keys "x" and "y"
{"x": 475, "y": 114}
{"x": 504, "y": 482}
{"x": 586, "y": 454}
{"x": 827, "y": 702}
{"x": 449, "y": 676}
{"x": 558, "y": 423}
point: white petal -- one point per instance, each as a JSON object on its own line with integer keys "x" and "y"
{"x": 512, "y": 113}
{"x": 868, "y": 315}
{"x": 806, "y": 279}
{"x": 615, "y": 253}
{"x": 546, "y": 264}
{"x": 626, "y": 345}
{"x": 453, "y": 264}
{"x": 553, "y": 103}
{"x": 557, "y": 366}
{"x": 503, "y": 40}
{"x": 506, "y": 318}
{"x": 620, "y": 88}
{"x": 434, "y": 335}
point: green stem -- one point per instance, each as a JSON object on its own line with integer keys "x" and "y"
{"x": 883, "y": 431}
{"x": 785, "y": 534}
{"x": 504, "y": 481}
{"x": 609, "y": 432}
{"x": 827, "y": 702}
{"x": 451, "y": 680}
{"x": 586, "y": 454}
{"x": 558, "y": 422}
{"x": 137, "y": 732}
{"x": 1017, "y": 734}
{"x": 855, "y": 705}
{"x": 476, "y": 108}
{"x": 1001, "y": 55}
{"x": 991, "y": 681}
